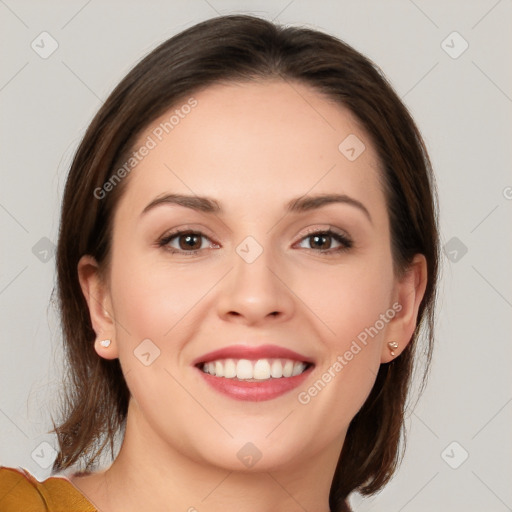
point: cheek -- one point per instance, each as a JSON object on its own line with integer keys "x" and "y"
{"x": 352, "y": 309}
{"x": 355, "y": 303}
{"x": 150, "y": 299}
{"x": 347, "y": 299}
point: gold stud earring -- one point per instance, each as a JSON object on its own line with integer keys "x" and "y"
{"x": 105, "y": 343}
{"x": 393, "y": 345}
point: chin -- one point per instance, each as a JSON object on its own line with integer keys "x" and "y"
{"x": 253, "y": 453}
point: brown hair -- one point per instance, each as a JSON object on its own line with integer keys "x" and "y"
{"x": 230, "y": 49}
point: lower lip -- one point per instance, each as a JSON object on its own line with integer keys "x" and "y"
{"x": 255, "y": 391}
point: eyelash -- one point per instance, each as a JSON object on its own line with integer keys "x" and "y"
{"x": 345, "y": 241}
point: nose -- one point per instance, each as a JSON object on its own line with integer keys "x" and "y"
{"x": 255, "y": 292}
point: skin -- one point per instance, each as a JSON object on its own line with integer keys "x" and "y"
{"x": 251, "y": 147}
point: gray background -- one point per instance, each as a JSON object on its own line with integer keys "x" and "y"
{"x": 463, "y": 106}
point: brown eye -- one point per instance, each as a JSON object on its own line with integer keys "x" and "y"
{"x": 320, "y": 241}
{"x": 326, "y": 242}
{"x": 189, "y": 241}
{"x": 186, "y": 242}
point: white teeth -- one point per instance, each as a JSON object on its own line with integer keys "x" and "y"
{"x": 219, "y": 369}
{"x": 276, "y": 370}
{"x": 244, "y": 369}
{"x": 262, "y": 369}
{"x": 298, "y": 368}
{"x": 230, "y": 369}
{"x": 288, "y": 369}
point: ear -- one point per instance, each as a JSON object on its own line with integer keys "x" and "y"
{"x": 409, "y": 293}
{"x": 97, "y": 295}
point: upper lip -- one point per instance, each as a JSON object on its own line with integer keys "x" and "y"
{"x": 252, "y": 352}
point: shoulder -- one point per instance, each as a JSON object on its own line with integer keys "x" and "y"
{"x": 19, "y": 488}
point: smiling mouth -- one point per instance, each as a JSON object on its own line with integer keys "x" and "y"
{"x": 254, "y": 370}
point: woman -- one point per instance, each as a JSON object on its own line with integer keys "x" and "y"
{"x": 248, "y": 253}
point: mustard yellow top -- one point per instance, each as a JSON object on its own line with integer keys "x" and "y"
{"x": 22, "y": 492}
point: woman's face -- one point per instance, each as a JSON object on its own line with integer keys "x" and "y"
{"x": 257, "y": 278}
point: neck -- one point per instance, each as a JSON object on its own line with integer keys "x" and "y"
{"x": 154, "y": 476}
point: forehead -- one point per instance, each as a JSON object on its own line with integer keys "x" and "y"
{"x": 255, "y": 140}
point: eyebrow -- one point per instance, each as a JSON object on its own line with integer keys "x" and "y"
{"x": 297, "y": 205}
